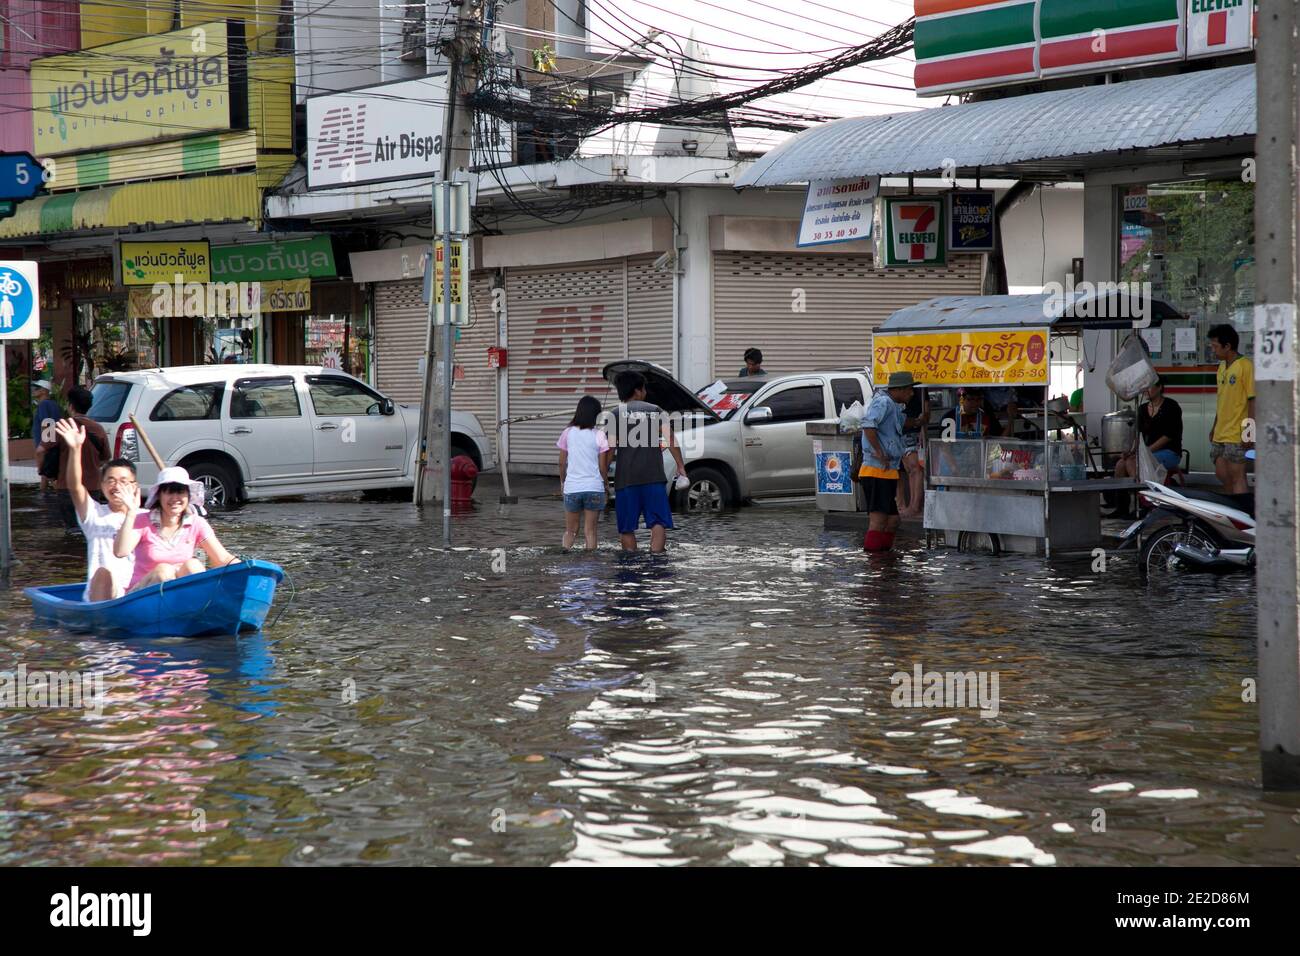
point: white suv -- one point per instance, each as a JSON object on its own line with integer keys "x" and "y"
{"x": 263, "y": 431}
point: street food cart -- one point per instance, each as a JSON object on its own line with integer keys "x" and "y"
{"x": 1008, "y": 494}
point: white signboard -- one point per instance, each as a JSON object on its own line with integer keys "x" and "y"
{"x": 1275, "y": 343}
{"x": 376, "y": 133}
{"x": 1215, "y": 27}
{"x": 838, "y": 210}
{"x": 20, "y": 301}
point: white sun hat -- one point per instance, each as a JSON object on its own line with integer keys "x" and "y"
{"x": 176, "y": 475}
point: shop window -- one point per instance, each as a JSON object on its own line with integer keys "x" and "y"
{"x": 265, "y": 398}
{"x": 106, "y": 339}
{"x": 192, "y": 403}
{"x": 339, "y": 396}
{"x": 802, "y": 404}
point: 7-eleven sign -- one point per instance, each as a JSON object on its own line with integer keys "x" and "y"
{"x": 1219, "y": 26}
{"x": 915, "y": 231}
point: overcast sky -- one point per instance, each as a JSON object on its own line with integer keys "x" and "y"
{"x": 775, "y": 34}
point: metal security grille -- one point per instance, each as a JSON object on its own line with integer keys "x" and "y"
{"x": 757, "y": 297}
{"x": 565, "y": 324}
{"x": 401, "y": 327}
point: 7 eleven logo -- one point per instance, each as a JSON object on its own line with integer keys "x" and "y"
{"x": 915, "y": 228}
{"x": 1219, "y": 26}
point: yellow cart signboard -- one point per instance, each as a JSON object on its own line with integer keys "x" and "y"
{"x": 984, "y": 357}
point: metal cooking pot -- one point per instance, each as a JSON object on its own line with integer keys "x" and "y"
{"x": 1117, "y": 431}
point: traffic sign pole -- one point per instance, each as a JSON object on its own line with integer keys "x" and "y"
{"x": 6, "y": 537}
{"x": 20, "y": 318}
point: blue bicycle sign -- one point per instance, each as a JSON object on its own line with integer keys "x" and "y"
{"x": 20, "y": 308}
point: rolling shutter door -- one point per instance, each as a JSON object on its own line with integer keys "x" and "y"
{"x": 649, "y": 312}
{"x": 476, "y": 392}
{"x": 845, "y": 300}
{"x": 401, "y": 328}
{"x": 565, "y": 324}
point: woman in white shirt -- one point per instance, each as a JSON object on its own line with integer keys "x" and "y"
{"x": 584, "y": 462}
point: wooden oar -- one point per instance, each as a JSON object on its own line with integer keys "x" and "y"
{"x": 153, "y": 452}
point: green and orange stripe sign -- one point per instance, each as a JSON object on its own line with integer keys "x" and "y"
{"x": 963, "y": 44}
{"x": 969, "y": 44}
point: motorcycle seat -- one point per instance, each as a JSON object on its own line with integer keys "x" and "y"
{"x": 1244, "y": 502}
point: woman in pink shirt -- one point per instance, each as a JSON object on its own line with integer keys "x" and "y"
{"x": 164, "y": 536}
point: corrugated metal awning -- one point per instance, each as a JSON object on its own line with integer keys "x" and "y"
{"x": 1071, "y": 129}
{"x": 197, "y": 199}
{"x": 1113, "y": 308}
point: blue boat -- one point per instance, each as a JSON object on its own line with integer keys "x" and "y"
{"x": 221, "y": 601}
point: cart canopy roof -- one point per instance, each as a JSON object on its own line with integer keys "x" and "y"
{"x": 1082, "y": 308}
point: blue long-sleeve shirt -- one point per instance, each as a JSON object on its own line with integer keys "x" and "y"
{"x": 48, "y": 408}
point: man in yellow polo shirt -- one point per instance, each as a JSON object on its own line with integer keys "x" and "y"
{"x": 1236, "y": 406}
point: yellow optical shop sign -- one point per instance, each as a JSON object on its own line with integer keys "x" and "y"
{"x": 1016, "y": 357}
{"x": 147, "y": 263}
{"x": 134, "y": 91}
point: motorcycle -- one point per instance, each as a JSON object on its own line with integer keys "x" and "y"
{"x": 1192, "y": 530}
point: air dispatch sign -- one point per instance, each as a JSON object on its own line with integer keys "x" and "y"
{"x": 914, "y": 231}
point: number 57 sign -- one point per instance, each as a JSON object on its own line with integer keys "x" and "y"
{"x": 20, "y": 301}
{"x": 1275, "y": 343}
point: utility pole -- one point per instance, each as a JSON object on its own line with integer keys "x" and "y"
{"x": 1277, "y": 431}
{"x": 433, "y": 473}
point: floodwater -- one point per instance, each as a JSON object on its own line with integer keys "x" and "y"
{"x": 731, "y": 703}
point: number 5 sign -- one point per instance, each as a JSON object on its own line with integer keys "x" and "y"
{"x": 20, "y": 301}
{"x": 1275, "y": 343}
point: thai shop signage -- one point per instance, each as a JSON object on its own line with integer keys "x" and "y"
{"x": 263, "y": 261}
{"x": 966, "y": 44}
{"x": 838, "y": 210}
{"x": 1215, "y": 27}
{"x": 970, "y": 221}
{"x": 156, "y": 87}
{"x": 148, "y": 263}
{"x": 376, "y": 133}
{"x": 914, "y": 231}
{"x": 983, "y": 357}
{"x": 286, "y": 295}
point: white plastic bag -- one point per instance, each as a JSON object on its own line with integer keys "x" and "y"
{"x": 1149, "y": 469}
{"x": 1131, "y": 372}
{"x": 851, "y": 418}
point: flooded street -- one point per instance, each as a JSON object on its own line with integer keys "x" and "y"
{"x": 730, "y": 703}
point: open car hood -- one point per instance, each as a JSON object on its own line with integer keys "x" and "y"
{"x": 661, "y": 388}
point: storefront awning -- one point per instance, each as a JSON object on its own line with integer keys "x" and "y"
{"x": 1053, "y": 135}
{"x": 172, "y": 202}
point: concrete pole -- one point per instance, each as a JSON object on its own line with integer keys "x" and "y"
{"x": 1277, "y": 205}
{"x": 457, "y": 154}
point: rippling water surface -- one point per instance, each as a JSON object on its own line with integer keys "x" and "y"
{"x": 732, "y": 702}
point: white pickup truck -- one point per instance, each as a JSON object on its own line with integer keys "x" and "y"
{"x": 745, "y": 438}
{"x": 265, "y": 431}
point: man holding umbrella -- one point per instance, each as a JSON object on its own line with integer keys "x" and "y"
{"x": 882, "y": 453}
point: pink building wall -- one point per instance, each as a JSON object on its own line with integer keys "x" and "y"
{"x": 32, "y": 28}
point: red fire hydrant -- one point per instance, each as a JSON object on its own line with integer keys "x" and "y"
{"x": 463, "y": 473}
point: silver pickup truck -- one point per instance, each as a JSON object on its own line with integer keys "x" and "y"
{"x": 744, "y": 438}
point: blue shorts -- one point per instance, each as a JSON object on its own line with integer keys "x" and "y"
{"x": 584, "y": 501}
{"x": 637, "y": 501}
{"x": 1168, "y": 457}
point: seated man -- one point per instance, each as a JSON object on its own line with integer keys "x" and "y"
{"x": 107, "y": 575}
